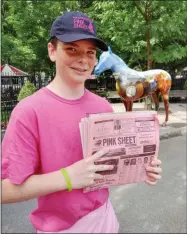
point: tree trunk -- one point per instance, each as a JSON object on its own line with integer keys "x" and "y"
{"x": 148, "y": 99}
{"x": 147, "y": 17}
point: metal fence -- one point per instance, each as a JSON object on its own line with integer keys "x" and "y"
{"x": 10, "y": 88}
{"x": 178, "y": 84}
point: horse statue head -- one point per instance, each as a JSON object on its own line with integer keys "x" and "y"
{"x": 109, "y": 60}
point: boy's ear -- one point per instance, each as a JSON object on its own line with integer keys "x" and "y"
{"x": 51, "y": 51}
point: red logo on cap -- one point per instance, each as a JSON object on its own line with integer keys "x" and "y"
{"x": 91, "y": 27}
{"x": 80, "y": 22}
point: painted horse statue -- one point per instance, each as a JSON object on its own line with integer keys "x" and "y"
{"x": 133, "y": 85}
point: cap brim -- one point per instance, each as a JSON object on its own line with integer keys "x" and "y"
{"x": 76, "y": 37}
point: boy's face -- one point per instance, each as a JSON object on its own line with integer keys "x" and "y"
{"x": 74, "y": 61}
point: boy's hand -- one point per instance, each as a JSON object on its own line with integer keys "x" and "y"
{"x": 83, "y": 173}
{"x": 153, "y": 171}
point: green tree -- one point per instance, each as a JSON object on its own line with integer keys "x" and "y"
{"x": 143, "y": 33}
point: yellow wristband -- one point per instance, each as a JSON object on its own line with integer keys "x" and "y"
{"x": 67, "y": 179}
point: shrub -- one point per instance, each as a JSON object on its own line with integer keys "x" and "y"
{"x": 185, "y": 85}
{"x": 27, "y": 90}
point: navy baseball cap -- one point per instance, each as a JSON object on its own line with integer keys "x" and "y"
{"x": 73, "y": 26}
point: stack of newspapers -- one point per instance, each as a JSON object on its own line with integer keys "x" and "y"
{"x": 133, "y": 142}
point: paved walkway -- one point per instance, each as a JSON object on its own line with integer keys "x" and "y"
{"x": 177, "y": 123}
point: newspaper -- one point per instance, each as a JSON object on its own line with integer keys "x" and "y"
{"x": 133, "y": 142}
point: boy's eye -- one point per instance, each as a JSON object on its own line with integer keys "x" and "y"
{"x": 91, "y": 52}
{"x": 71, "y": 49}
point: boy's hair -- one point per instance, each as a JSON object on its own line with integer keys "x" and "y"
{"x": 54, "y": 41}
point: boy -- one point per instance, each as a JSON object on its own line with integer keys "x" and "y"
{"x": 42, "y": 153}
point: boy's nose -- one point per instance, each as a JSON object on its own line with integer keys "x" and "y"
{"x": 82, "y": 58}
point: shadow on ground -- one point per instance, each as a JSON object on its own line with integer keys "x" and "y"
{"x": 176, "y": 125}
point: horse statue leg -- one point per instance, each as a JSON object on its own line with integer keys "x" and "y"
{"x": 156, "y": 100}
{"x": 166, "y": 106}
{"x": 128, "y": 105}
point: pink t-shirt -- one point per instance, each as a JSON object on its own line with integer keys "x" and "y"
{"x": 43, "y": 136}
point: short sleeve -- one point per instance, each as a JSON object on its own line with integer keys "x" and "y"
{"x": 20, "y": 156}
{"x": 109, "y": 106}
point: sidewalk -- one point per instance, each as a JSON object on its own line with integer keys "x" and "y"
{"x": 177, "y": 123}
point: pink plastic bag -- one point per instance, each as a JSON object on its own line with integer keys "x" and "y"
{"x": 101, "y": 220}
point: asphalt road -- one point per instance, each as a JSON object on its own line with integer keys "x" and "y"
{"x": 140, "y": 208}
{"x": 156, "y": 209}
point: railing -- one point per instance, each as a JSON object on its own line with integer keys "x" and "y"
{"x": 10, "y": 88}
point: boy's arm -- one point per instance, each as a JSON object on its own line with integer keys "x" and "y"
{"x": 33, "y": 187}
{"x": 82, "y": 173}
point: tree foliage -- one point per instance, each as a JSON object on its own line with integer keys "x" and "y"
{"x": 185, "y": 85}
{"x": 131, "y": 26}
{"x": 144, "y": 33}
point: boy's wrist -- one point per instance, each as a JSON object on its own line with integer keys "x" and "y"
{"x": 61, "y": 183}
{"x": 67, "y": 178}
